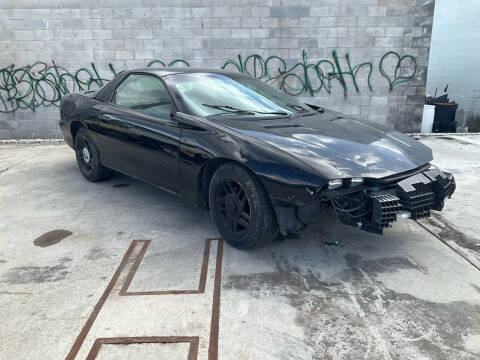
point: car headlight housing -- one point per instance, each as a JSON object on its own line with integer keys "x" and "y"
{"x": 351, "y": 182}
{"x": 335, "y": 184}
{"x": 355, "y": 181}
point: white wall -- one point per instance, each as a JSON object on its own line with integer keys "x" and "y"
{"x": 455, "y": 52}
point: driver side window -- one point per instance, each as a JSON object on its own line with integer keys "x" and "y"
{"x": 144, "y": 93}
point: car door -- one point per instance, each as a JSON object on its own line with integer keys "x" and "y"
{"x": 151, "y": 145}
{"x": 108, "y": 128}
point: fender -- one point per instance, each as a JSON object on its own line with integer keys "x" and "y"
{"x": 203, "y": 142}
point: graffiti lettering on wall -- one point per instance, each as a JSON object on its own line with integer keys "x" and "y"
{"x": 43, "y": 84}
{"x": 311, "y": 78}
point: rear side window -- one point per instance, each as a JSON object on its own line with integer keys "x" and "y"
{"x": 144, "y": 93}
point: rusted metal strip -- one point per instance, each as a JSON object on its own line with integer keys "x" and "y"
{"x": 201, "y": 283}
{"x": 194, "y": 341}
{"x": 215, "y": 322}
{"x": 96, "y": 310}
{"x": 134, "y": 269}
{"x": 192, "y": 352}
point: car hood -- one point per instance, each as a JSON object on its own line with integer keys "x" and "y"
{"x": 336, "y": 145}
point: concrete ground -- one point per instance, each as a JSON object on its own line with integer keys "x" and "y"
{"x": 122, "y": 270}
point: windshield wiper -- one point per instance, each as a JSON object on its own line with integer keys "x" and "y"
{"x": 298, "y": 107}
{"x": 229, "y": 109}
{"x": 234, "y": 110}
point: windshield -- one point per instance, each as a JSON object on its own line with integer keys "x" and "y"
{"x": 209, "y": 94}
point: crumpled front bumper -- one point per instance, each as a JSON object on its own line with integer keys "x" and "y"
{"x": 414, "y": 196}
{"x": 377, "y": 204}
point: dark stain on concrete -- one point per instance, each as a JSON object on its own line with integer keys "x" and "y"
{"x": 97, "y": 253}
{"x": 448, "y": 232}
{"x": 382, "y": 265}
{"x": 36, "y": 274}
{"x": 449, "y": 138}
{"x": 51, "y": 238}
{"x": 352, "y": 315}
{"x": 120, "y": 185}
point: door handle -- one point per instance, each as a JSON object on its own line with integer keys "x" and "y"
{"x": 105, "y": 117}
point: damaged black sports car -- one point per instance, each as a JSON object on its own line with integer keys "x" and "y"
{"x": 263, "y": 162}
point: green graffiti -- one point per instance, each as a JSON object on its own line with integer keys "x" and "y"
{"x": 42, "y": 84}
{"x": 312, "y": 78}
{"x": 298, "y": 78}
{"x": 171, "y": 63}
{"x": 396, "y": 78}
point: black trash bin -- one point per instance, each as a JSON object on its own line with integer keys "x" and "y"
{"x": 444, "y": 120}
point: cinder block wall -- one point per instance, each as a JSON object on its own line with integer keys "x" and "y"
{"x": 49, "y": 46}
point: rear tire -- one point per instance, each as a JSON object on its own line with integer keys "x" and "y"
{"x": 88, "y": 158}
{"x": 241, "y": 208}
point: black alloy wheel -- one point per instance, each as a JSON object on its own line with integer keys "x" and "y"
{"x": 88, "y": 158}
{"x": 233, "y": 207}
{"x": 241, "y": 208}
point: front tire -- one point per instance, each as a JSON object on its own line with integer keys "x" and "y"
{"x": 88, "y": 158}
{"x": 241, "y": 208}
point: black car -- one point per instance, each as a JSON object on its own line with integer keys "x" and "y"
{"x": 262, "y": 161}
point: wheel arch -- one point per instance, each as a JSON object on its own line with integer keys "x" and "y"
{"x": 206, "y": 175}
{"x": 75, "y": 126}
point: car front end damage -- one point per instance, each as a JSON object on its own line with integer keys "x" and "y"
{"x": 374, "y": 204}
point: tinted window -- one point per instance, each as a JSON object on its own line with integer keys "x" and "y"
{"x": 144, "y": 93}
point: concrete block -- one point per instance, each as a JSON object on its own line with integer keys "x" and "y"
{"x": 324, "y": 11}
{"x": 201, "y": 11}
{"x": 394, "y": 31}
{"x": 415, "y": 99}
{"x": 109, "y": 3}
{"x": 354, "y": 10}
{"x": 377, "y": 11}
{"x": 260, "y": 33}
{"x": 8, "y": 4}
{"x": 91, "y": 4}
{"x": 280, "y": 32}
{"x": 289, "y": 11}
{"x": 289, "y": 22}
{"x": 41, "y": 14}
{"x": 328, "y": 21}
{"x": 144, "y": 54}
{"x": 253, "y": 22}
{"x": 124, "y": 54}
{"x": 268, "y": 22}
{"x": 71, "y": 4}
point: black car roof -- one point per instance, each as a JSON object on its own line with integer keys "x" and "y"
{"x": 164, "y": 71}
